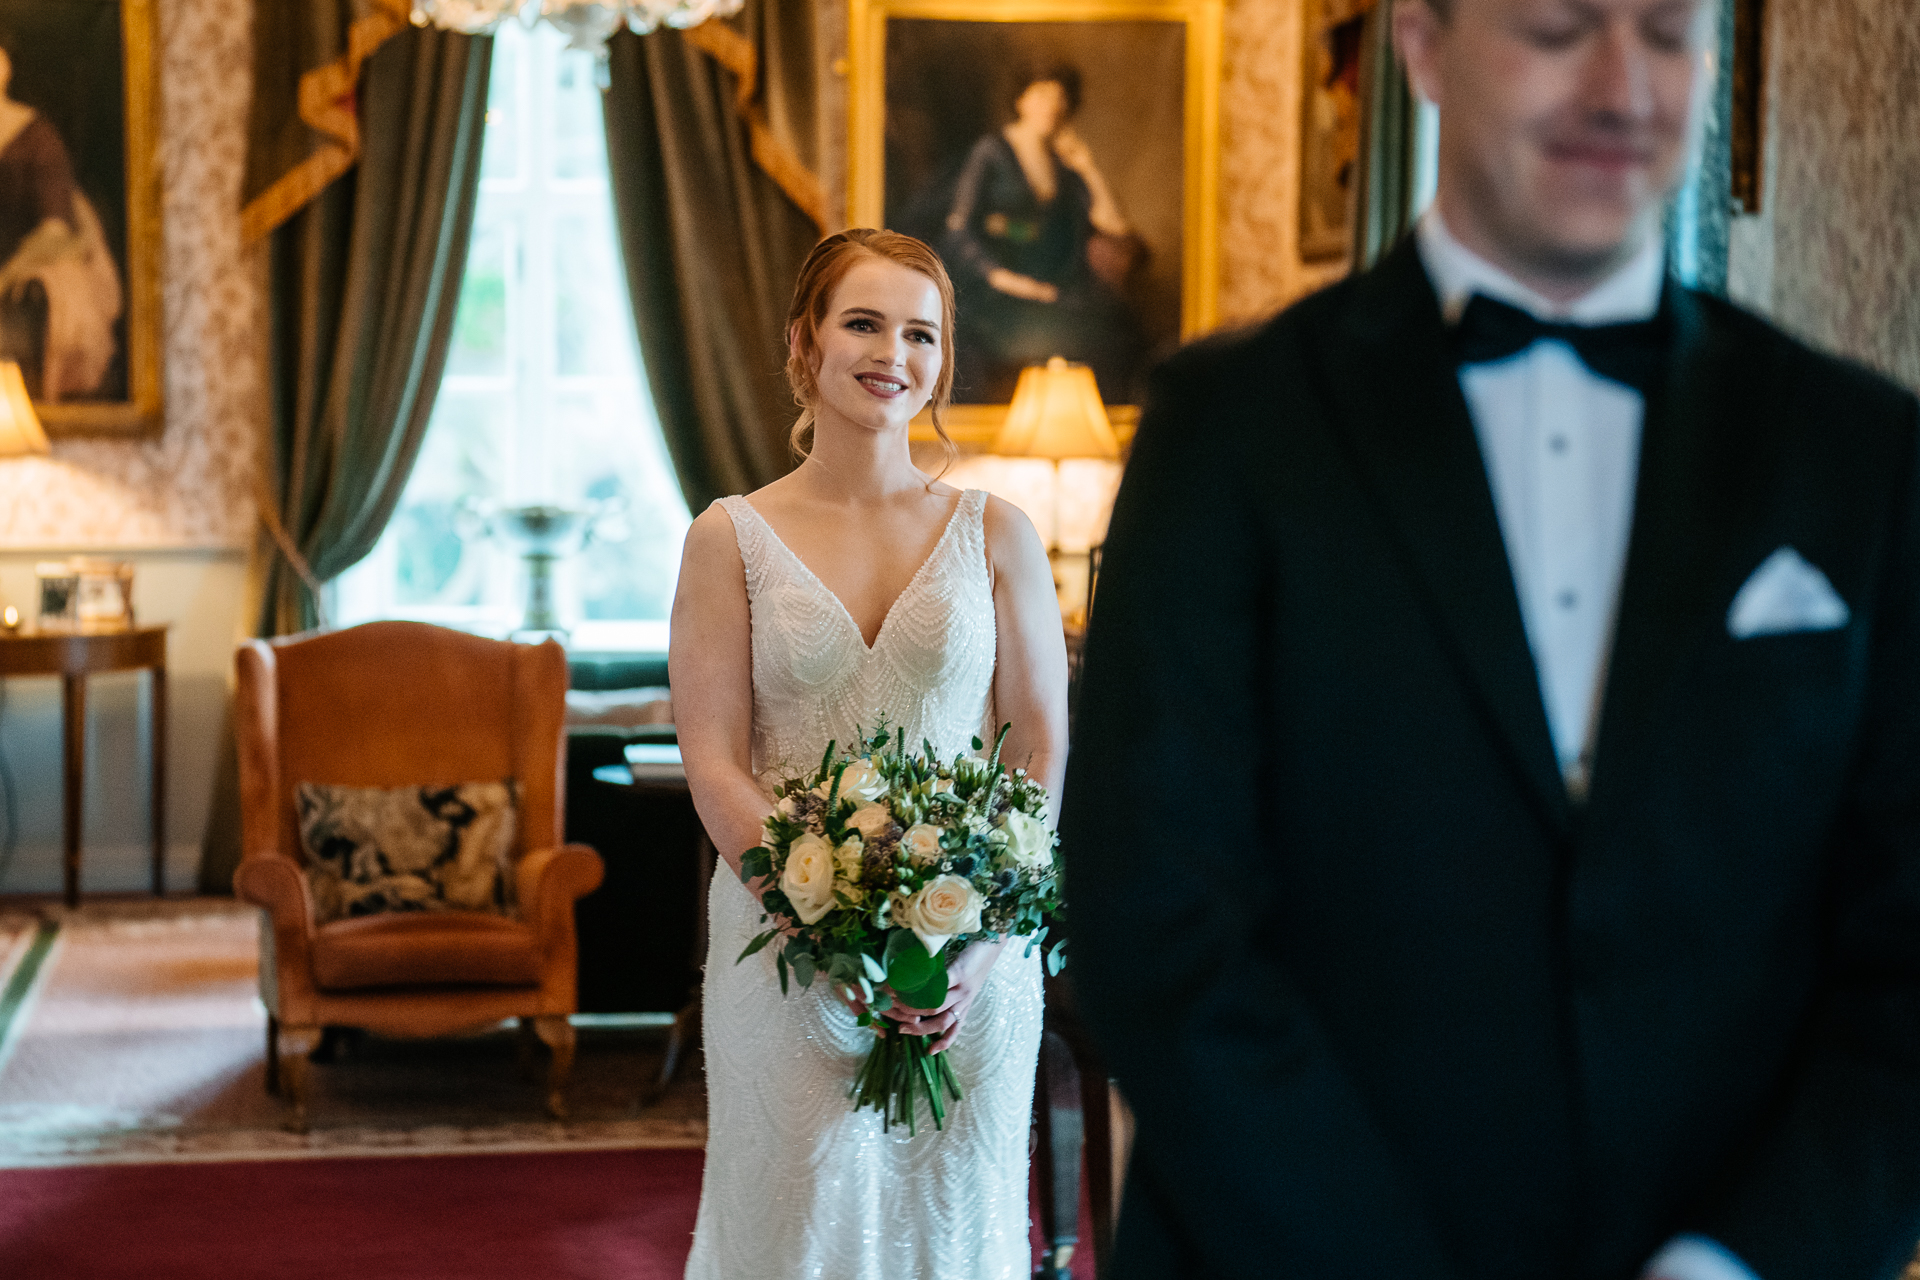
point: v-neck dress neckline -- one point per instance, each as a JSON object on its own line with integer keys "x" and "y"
{"x": 932, "y": 557}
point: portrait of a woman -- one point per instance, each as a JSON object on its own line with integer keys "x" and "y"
{"x": 60, "y": 290}
{"x": 1040, "y": 249}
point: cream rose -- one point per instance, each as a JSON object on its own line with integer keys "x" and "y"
{"x": 871, "y": 820}
{"x": 944, "y": 906}
{"x": 922, "y": 843}
{"x": 1029, "y": 843}
{"x": 848, "y": 860}
{"x": 860, "y": 782}
{"x": 807, "y": 879}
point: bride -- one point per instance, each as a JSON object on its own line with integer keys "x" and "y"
{"x": 854, "y": 588}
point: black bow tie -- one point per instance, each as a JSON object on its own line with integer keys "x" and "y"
{"x": 1627, "y": 353}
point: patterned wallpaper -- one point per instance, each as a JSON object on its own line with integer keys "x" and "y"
{"x": 1260, "y": 267}
{"x": 191, "y": 487}
{"x": 1843, "y": 187}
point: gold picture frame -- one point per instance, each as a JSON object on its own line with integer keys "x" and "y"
{"x": 1185, "y": 33}
{"x": 133, "y": 407}
{"x": 1333, "y": 46}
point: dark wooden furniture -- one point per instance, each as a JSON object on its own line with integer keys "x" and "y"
{"x": 665, "y": 784}
{"x": 1073, "y": 1106}
{"x": 73, "y": 656}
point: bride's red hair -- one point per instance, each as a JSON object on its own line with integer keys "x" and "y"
{"x": 824, "y": 268}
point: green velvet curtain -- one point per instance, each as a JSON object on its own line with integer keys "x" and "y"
{"x": 365, "y": 280}
{"x": 1389, "y": 117}
{"x": 713, "y": 245}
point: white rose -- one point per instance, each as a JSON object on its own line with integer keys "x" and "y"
{"x": 849, "y": 858}
{"x": 1029, "y": 843}
{"x": 922, "y": 843}
{"x": 871, "y": 820}
{"x": 944, "y": 906}
{"x": 807, "y": 879}
{"x": 860, "y": 782}
{"x": 785, "y": 807}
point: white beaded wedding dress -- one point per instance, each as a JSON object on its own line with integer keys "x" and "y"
{"x": 797, "y": 1183}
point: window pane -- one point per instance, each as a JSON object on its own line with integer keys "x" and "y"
{"x": 618, "y": 457}
{"x": 506, "y": 110}
{"x": 579, "y": 145}
{"x": 480, "y": 336}
{"x": 544, "y": 399}
{"x": 593, "y": 321}
{"x": 460, "y": 462}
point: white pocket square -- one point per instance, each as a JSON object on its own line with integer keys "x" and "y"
{"x": 1786, "y": 594}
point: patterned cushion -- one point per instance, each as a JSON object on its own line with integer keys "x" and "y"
{"x": 371, "y": 850}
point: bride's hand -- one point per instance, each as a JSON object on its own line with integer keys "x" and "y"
{"x": 966, "y": 975}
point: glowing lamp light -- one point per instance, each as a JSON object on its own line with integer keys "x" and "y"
{"x": 1056, "y": 413}
{"x": 20, "y": 432}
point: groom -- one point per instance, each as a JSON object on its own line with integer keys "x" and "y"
{"x": 1494, "y": 816}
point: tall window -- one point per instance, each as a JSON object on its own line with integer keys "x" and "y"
{"x": 544, "y": 399}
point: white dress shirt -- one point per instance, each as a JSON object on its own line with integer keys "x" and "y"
{"x": 1561, "y": 446}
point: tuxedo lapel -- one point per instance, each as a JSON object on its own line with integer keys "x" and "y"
{"x": 1693, "y": 512}
{"x": 1396, "y": 400}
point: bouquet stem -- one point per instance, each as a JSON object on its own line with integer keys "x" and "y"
{"x": 898, "y": 1070}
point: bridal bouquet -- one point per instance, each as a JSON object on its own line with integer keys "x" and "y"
{"x": 881, "y": 865}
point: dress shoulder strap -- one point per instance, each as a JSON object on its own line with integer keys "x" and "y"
{"x": 750, "y": 534}
{"x": 970, "y": 529}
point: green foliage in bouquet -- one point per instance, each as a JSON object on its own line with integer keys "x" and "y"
{"x": 879, "y": 867}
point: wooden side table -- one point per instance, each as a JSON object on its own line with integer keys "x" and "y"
{"x": 73, "y": 656}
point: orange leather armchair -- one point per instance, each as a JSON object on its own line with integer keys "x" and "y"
{"x": 392, "y": 704}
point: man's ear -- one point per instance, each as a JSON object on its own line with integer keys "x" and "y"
{"x": 1417, "y": 31}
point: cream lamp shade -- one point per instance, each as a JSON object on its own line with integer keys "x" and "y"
{"x": 1056, "y": 413}
{"x": 20, "y": 431}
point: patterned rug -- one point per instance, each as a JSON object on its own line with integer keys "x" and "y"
{"x": 132, "y": 1032}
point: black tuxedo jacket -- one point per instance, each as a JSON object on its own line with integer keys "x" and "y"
{"x": 1389, "y": 1005}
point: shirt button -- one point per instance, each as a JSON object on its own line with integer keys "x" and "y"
{"x": 1558, "y": 444}
{"x": 1566, "y": 599}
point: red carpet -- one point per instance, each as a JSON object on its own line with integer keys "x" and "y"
{"x": 594, "y": 1215}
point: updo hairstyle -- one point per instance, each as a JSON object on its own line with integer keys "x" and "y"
{"x": 822, "y": 272}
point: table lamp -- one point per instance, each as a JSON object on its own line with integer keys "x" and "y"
{"x": 20, "y": 431}
{"x": 1056, "y": 414}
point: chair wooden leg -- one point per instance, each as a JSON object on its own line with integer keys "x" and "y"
{"x": 1057, "y": 1111}
{"x": 1097, "y": 1104}
{"x": 523, "y": 1051}
{"x": 685, "y": 1034}
{"x": 292, "y": 1046}
{"x": 557, "y": 1034}
{"x": 273, "y": 1056}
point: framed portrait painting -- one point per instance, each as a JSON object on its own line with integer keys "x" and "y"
{"x": 79, "y": 212}
{"x": 1063, "y": 157}
{"x": 1330, "y": 125}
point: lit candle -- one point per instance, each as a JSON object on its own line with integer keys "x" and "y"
{"x": 10, "y": 618}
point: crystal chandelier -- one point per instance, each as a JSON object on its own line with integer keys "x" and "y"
{"x": 587, "y": 24}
